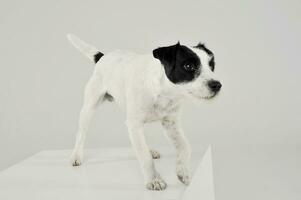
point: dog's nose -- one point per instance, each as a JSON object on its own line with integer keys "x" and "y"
{"x": 214, "y": 85}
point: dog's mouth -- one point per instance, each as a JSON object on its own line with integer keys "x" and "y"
{"x": 211, "y": 96}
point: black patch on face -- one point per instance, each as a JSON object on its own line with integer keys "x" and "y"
{"x": 97, "y": 56}
{"x": 180, "y": 63}
{"x": 212, "y": 64}
{"x": 210, "y": 53}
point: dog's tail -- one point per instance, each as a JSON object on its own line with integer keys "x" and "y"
{"x": 88, "y": 50}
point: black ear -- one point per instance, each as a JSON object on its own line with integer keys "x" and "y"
{"x": 168, "y": 57}
{"x": 166, "y": 54}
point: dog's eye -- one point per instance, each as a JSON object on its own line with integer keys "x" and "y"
{"x": 190, "y": 67}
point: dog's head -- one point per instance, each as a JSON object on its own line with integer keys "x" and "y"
{"x": 191, "y": 69}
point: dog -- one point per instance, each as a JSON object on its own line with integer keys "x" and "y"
{"x": 148, "y": 88}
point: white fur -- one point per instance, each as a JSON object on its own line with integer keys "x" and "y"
{"x": 140, "y": 87}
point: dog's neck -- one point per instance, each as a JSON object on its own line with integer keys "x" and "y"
{"x": 170, "y": 91}
{"x": 165, "y": 88}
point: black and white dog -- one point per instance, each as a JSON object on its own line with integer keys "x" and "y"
{"x": 149, "y": 88}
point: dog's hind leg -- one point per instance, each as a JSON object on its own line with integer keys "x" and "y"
{"x": 94, "y": 94}
{"x": 174, "y": 132}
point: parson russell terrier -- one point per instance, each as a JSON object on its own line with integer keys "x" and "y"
{"x": 149, "y": 88}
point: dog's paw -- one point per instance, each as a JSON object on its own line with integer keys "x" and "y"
{"x": 156, "y": 184}
{"x": 155, "y": 154}
{"x": 76, "y": 162}
{"x": 76, "y": 159}
{"x": 183, "y": 174}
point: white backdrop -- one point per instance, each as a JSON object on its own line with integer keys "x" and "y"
{"x": 42, "y": 77}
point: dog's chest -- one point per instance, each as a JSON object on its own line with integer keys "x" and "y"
{"x": 162, "y": 107}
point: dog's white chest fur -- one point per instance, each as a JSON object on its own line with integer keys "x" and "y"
{"x": 162, "y": 107}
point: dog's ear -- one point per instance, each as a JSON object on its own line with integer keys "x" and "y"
{"x": 166, "y": 54}
{"x": 168, "y": 57}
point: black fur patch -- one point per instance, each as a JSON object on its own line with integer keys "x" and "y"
{"x": 175, "y": 59}
{"x": 97, "y": 56}
{"x": 203, "y": 47}
{"x": 212, "y": 63}
{"x": 209, "y": 52}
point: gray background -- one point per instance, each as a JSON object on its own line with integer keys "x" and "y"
{"x": 42, "y": 77}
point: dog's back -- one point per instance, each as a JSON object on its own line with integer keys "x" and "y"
{"x": 125, "y": 72}
{"x": 122, "y": 72}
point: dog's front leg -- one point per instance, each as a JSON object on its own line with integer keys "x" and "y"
{"x": 151, "y": 176}
{"x": 175, "y": 134}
